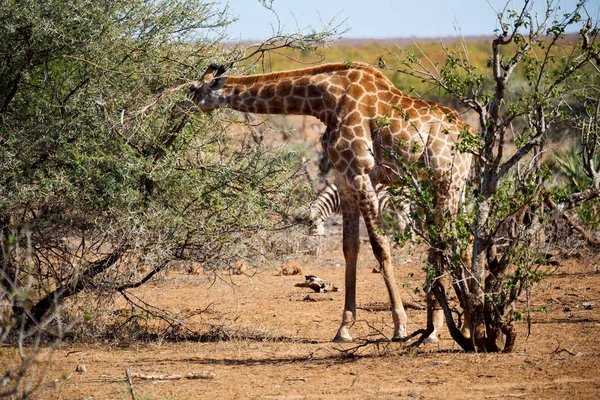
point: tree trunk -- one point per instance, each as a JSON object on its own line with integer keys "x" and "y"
{"x": 57, "y": 296}
{"x": 477, "y": 281}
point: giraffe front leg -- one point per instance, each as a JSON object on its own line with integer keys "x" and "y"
{"x": 435, "y": 313}
{"x": 351, "y": 245}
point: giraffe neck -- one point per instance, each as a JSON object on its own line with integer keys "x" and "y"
{"x": 312, "y": 91}
{"x": 293, "y": 96}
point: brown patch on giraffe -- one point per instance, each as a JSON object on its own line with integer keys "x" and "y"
{"x": 358, "y": 146}
{"x": 317, "y": 104}
{"x": 354, "y": 75}
{"x": 333, "y": 157}
{"x": 428, "y": 119}
{"x": 339, "y": 143}
{"x": 385, "y": 96}
{"x": 347, "y": 155}
{"x": 405, "y": 102}
{"x": 314, "y": 91}
{"x": 260, "y": 107}
{"x": 355, "y": 91}
{"x": 369, "y": 100}
{"x": 340, "y": 164}
{"x": 348, "y": 105}
{"x": 284, "y": 89}
{"x": 382, "y": 86}
{"x": 362, "y": 133}
{"x": 277, "y": 105}
{"x": 302, "y": 82}
{"x": 369, "y": 86}
{"x": 302, "y": 103}
{"x": 267, "y": 92}
{"x": 354, "y": 118}
{"x": 387, "y": 138}
{"x": 411, "y": 113}
{"x": 383, "y": 110}
{"x": 299, "y": 91}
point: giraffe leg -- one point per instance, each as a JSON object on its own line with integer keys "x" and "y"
{"x": 351, "y": 245}
{"x": 435, "y": 318}
{"x": 465, "y": 329}
{"x": 381, "y": 249}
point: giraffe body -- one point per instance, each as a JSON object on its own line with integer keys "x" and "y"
{"x": 365, "y": 115}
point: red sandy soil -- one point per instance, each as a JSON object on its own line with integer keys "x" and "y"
{"x": 284, "y": 348}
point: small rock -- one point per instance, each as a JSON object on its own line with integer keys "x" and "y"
{"x": 587, "y": 305}
{"x": 414, "y": 395}
{"x": 81, "y": 368}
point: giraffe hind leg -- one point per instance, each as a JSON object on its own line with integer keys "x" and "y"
{"x": 381, "y": 250}
{"x": 369, "y": 207}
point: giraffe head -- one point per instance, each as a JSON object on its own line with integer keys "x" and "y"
{"x": 202, "y": 93}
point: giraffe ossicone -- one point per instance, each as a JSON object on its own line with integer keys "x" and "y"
{"x": 365, "y": 115}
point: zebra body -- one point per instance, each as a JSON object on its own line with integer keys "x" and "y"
{"x": 328, "y": 203}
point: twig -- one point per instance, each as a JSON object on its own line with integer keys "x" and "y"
{"x": 570, "y": 352}
{"x": 130, "y": 383}
{"x": 495, "y": 396}
{"x": 167, "y": 377}
{"x": 387, "y": 306}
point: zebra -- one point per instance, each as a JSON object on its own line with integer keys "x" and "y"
{"x": 327, "y": 203}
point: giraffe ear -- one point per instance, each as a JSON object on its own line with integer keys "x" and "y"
{"x": 213, "y": 71}
{"x": 221, "y": 69}
{"x": 217, "y": 83}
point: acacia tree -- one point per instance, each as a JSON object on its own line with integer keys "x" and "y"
{"x": 98, "y": 179}
{"x": 537, "y": 77}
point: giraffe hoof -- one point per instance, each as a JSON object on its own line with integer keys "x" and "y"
{"x": 400, "y": 339}
{"x": 342, "y": 339}
{"x": 431, "y": 340}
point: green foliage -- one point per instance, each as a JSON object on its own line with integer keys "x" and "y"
{"x": 517, "y": 315}
{"x": 572, "y": 179}
{"x": 382, "y": 122}
{"x": 94, "y": 163}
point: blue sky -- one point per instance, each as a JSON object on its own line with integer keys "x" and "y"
{"x": 378, "y": 19}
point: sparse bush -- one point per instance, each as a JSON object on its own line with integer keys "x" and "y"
{"x": 509, "y": 201}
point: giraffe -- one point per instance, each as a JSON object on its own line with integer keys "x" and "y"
{"x": 352, "y": 99}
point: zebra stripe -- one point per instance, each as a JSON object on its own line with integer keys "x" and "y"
{"x": 328, "y": 203}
